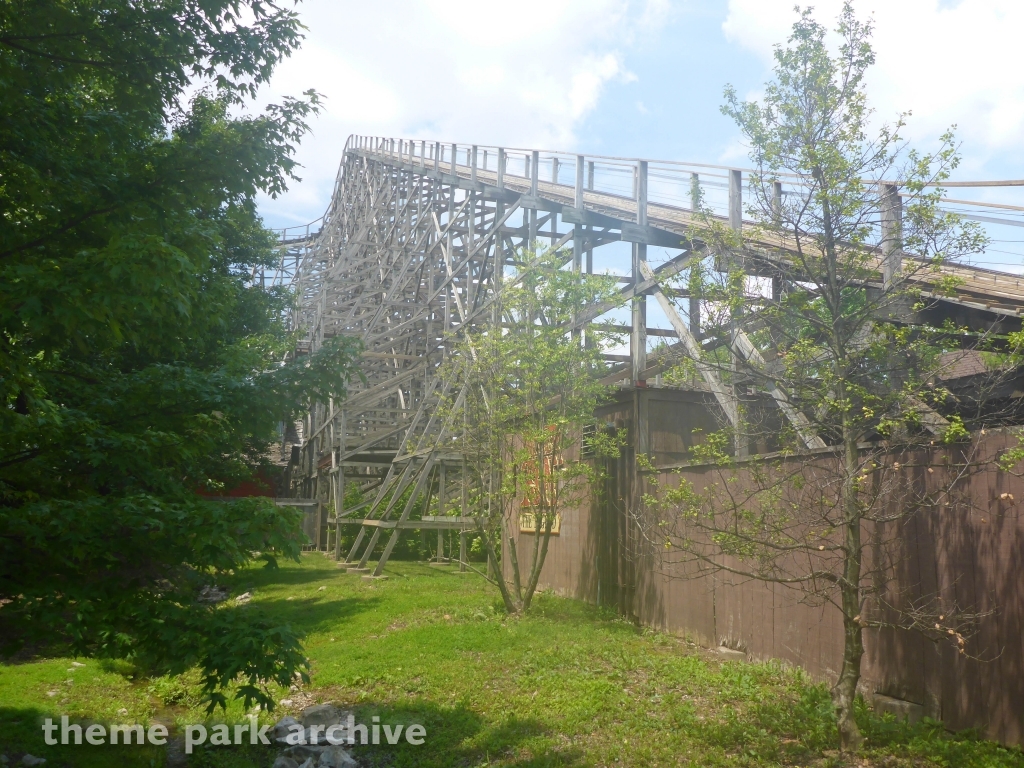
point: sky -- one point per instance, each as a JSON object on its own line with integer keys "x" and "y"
{"x": 634, "y": 78}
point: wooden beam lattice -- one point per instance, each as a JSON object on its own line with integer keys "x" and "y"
{"x": 409, "y": 256}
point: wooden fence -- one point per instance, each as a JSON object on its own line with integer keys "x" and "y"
{"x": 969, "y": 551}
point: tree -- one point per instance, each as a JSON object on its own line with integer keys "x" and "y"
{"x": 835, "y": 373}
{"x": 141, "y": 359}
{"x": 527, "y": 390}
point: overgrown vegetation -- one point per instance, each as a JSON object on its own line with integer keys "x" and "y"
{"x": 524, "y": 389}
{"x": 140, "y": 359}
{"x": 828, "y": 363}
{"x": 567, "y": 684}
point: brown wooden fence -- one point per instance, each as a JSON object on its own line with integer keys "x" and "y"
{"x": 970, "y": 551}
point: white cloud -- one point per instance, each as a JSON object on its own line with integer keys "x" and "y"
{"x": 656, "y": 14}
{"x": 588, "y": 81}
{"x": 947, "y": 63}
{"x": 735, "y": 153}
{"x": 514, "y": 74}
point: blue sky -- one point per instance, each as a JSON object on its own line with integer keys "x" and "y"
{"x": 635, "y": 78}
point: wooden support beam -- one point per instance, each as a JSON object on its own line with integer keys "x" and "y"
{"x": 892, "y": 233}
{"x": 413, "y": 497}
{"x": 426, "y": 523}
{"x": 694, "y": 308}
{"x": 534, "y": 168}
{"x": 735, "y": 200}
{"x": 440, "y": 512}
{"x": 802, "y": 425}
{"x": 638, "y": 337}
{"x": 398, "y": 489}
{"x": 722, "y": 394}
{"x": 339, "y": 497}
{"x": 380, "y": 270}
{"x": 736, "y": 225}
{"x": 578, "y": 193}
{"x": 930, "y": 419}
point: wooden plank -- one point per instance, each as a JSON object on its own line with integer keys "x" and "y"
{"x": 426, "y": 523}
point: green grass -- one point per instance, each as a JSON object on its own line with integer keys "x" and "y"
{"x": 570, "y": 685}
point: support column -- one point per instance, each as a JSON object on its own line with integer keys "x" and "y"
{"x": 577, "y": 233}
{"x": 534, "y": 167}
{"x": 440, "y": 513}
{"x": 638, "y": 334}
{"x": 735, "y": 200}
{"x": 742, "y": 445}
{"x": 777, "y": 218}
{"x": 499, "y": 256}
{"x": 465, "y": 490}
{"x": 339, "y": 493}
{"x": 892, "y": 233}
{"x": 694, "y": 308}
{"x": 554, "y": 215}
{"x": 578, "y": 202}
{"x": 638, "y": 337}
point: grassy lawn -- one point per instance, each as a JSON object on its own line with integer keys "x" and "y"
{"x": 571, "y": 685}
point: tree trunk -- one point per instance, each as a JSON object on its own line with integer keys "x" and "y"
{"x": 513, "y": 562}
{"x": 539, "y": 558}
{"x": 512, "y": 605}
{"x": 845, "y": 692}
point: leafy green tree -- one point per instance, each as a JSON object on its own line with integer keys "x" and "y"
{"x": 834, "y": 373}
{"x": 527, "y": 389}
{"x": 141, "y": 360}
